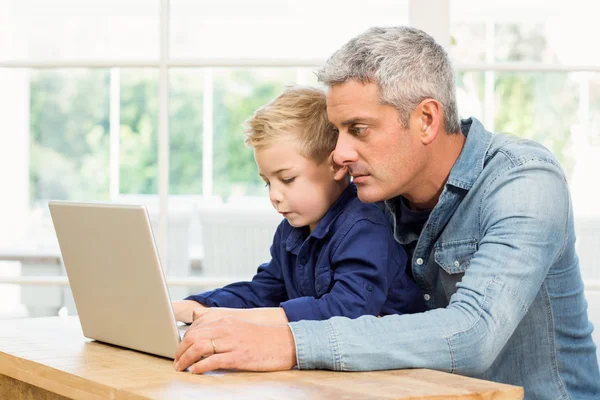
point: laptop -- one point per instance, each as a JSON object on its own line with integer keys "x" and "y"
{"x": 115, "y": 275}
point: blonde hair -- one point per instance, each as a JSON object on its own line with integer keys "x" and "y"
{"x": 299, "y": 112}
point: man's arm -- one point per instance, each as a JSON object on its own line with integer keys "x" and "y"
{"x": 521, "y": 240}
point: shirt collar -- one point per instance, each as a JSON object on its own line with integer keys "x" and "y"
{"x": 298, "y": 235}
{"x": 470, "y": 162}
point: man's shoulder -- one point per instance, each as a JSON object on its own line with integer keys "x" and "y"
{"x": 511, "y": 150}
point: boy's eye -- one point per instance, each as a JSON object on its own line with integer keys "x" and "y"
{"x": 287, "y": 181}
{"x": 266, "y": 184}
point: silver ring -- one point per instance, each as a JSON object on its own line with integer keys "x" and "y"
{"x": 214, "y": 347}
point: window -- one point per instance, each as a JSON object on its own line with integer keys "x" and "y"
{"x": 92, "y": 90}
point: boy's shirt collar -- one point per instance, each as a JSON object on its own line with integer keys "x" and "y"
{"x": 298, "y": 235}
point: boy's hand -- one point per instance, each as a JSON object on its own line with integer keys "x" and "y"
{"x": 264, "y": 316}
{"x": 184, "y": 310}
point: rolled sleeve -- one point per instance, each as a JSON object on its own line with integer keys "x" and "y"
{"x": 316, "y": 345}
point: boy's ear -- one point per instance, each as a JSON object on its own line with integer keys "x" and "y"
{"x": 339, "y": 172}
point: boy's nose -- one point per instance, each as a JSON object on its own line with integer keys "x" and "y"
{"x": 275, "y": 196}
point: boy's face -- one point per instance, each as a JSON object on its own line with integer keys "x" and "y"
{"x": 300, "y": 189}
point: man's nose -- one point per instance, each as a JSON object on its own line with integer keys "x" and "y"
{"x": 344, "y": 153}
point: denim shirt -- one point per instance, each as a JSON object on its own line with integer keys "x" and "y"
{"x": 496, "y": 262}
{"x": 350, "y": 265}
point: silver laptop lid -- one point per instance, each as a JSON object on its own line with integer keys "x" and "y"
{"x": 115, "y": 275}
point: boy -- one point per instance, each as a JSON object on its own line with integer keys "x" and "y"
{"x": 332, "y": 255}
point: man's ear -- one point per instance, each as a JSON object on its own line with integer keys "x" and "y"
{"x": 339, "y": 172}
{"x": 430, "y": 117}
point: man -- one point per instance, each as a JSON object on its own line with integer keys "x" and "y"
{"x": 487, "y": 222}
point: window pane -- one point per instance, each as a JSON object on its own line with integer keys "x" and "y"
{"x": 69, "y": 142}
{"x": 525, "y": 30}
{"x": 237, "y": 94}
{"x": 75, "y": 30}
{"x": 186, "y": 108}
{"x": 468, "y": 42}
{"x": 234, "y": 94}
{"x": 586, "y": 150}
{"x": 594, "y": 95}
{"x": 539, "y": 106}
{"x": 278, "y": 29}
{"x": 470, "y": 95}
{"x": 138, "y": 158}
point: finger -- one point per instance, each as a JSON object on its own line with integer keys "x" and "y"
{"x": 197, "y": 344}
{"x": 196, "y": 351}
{"x": 212, "y": 363}
{"x": 194, "y": 332}
{"x": 201, "y": 349}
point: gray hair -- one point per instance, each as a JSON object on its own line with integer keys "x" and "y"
{"x": 406, "y": 63}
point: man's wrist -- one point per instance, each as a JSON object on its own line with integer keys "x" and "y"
{"x": 268, "y": 316}
{"x": 293, "y": 360}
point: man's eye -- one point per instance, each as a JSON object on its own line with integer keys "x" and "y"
{"x": 266, "y": 184}
{"x": 357, "y": 130}
{"x": 287, "y": 181}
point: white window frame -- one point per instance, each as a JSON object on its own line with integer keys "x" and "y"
{"x": 420, "y": 15}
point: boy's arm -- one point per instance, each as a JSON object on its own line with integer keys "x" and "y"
{"x": 365, "y": 261}
{"x": 184, "y": 310}
{"x": 364, "y": 264}
{"x": 267, "y": 288}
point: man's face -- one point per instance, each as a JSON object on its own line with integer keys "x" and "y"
{"x": 384, "y": 158}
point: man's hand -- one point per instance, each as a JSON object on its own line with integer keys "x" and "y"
{"x": 184, "y": 310}
{"x": 231, "y": 343}
{"x": 265, "y": 316}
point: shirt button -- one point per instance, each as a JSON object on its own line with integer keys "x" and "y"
{"x": 419, "y": 261}
{"x": 370, "y": 288}
{"x": 427, "y": 297}
{"x": 456, "y": 263}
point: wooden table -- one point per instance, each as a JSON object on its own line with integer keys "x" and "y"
{"x": 48, "y": 358}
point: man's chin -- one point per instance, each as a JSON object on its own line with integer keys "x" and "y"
{"x": 368, "y": 194}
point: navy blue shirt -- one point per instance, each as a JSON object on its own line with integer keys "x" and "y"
{"x": 350, "y": 265}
